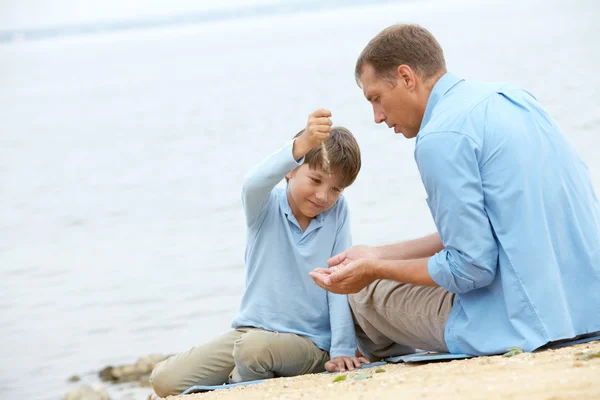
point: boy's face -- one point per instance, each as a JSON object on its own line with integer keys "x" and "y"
{"x": 312, "y": 191}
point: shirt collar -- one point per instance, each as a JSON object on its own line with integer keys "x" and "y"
{"x": 442, "y": 86}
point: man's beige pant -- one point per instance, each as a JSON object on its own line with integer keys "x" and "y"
{"x": 393, "y": 318}
{"x": 244, "y": 354}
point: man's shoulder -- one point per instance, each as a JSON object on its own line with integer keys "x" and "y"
{"x": 463, "y": 109}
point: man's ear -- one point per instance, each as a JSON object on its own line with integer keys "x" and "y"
{"x": 406, "y": 76}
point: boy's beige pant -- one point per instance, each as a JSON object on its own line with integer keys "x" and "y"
{"x": 243, "y": 354}
{"x": 393, "y": 318}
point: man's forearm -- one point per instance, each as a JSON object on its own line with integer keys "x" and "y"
{"x": 424, "y": 247}
{"x": 407, "y": 271}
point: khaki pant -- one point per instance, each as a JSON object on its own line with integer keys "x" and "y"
{"x": 393, "y": 318}
{"x": 244, "y": 354}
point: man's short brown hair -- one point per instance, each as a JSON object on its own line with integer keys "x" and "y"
{"x": 343, "y": 151}
{"x": 402, "y": 44}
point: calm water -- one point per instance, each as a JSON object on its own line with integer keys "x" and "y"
{"x": 122, "y": 156}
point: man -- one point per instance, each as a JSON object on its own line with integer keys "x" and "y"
{"x": 516, "y": 260}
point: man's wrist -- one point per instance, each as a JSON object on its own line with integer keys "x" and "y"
{"x": 378, "y": 252}
{"x": 376, "y": 269}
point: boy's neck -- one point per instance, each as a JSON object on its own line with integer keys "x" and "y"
{"x": 302, "y": 219}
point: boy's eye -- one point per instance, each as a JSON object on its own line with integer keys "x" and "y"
{"x": 315, "y": 180}
{"x": 337, "y": 190}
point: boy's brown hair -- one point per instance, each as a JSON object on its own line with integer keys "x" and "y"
{"x": 343, "y": 151}
{"x": 400, "y": 44}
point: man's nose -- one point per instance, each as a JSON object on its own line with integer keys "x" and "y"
{"x": 379, "y": 115}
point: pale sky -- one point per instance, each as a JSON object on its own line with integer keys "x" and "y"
{"x": 22, "y": 14}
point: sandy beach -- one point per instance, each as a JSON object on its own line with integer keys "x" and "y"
{"x": 567, "y": 373}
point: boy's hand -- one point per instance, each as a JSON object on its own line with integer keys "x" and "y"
{"x": 317, "y": 129}
{"x": 340, "y": 364}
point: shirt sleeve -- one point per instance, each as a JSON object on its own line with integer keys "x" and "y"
{"x": 262, "y": 178}
{"x": 449, "y": 167}
{"x": 343, "y": 341}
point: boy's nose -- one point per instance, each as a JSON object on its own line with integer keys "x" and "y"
{"x": 322, "y": 195}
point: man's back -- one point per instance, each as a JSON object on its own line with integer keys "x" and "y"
{"x": 517, "y": 213}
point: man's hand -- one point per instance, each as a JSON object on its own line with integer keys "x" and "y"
{"x": 317, "y": 129}
{"x": 352, "y": 254}
{"x": 340, "y": 364}
{"x": 337, "y": 280}
{"x": 351, "y": 278}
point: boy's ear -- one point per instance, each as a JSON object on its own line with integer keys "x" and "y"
{"x": 291, "y": 174}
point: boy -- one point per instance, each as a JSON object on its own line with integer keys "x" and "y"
{"x": 287, "y": 325}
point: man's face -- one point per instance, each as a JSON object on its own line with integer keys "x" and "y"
{"x": 394, "y": 100}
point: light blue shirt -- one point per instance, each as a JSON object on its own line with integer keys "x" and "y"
{"x": 280, "y": 296}
{"x": 514, "y": 205}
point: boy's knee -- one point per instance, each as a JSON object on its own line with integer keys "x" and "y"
{"x": 162, "y": 380}
{"x": 252, "y": 350}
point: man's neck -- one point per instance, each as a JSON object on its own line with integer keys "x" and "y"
{"x": 428, "y": 86}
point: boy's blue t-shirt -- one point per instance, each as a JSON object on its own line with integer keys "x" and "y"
{"x": 280, "y": 296}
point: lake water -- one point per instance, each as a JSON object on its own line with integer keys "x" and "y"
{"x": 122, "y": 156}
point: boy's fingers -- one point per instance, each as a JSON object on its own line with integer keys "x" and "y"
{"x": 321, "y": 112}
{"x": 322, "y": 121}
{"x": 323, "y": 129}
{"x": 349, "y": 363}
{"x": 364, "y": 360}
{"x": 356, "y": 362}
{"x": 329, "y": 366}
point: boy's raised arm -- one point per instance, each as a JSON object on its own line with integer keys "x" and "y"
{"x": 263, "y": 177}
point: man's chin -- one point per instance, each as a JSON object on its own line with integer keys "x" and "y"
{"x": 409, "y": 135}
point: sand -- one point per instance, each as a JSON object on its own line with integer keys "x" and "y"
{"x": 549, "y": 375}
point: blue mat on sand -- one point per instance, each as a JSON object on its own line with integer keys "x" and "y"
{"x": 201, "y": 389}
{"x": 420, "y": 357}
{"x": 430, "y": 356}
